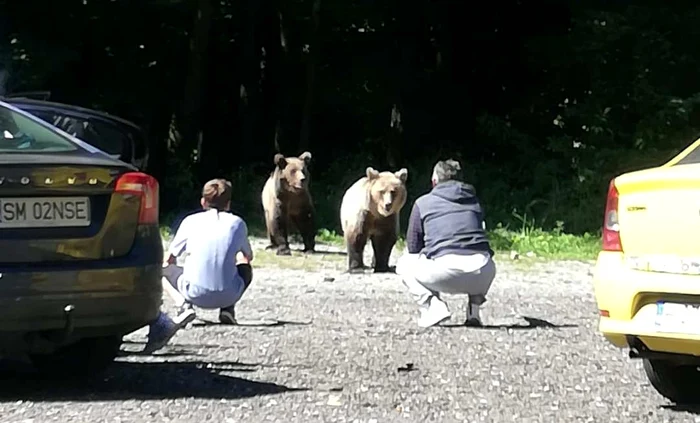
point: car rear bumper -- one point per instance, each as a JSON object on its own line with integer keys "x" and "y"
{"x": 616, "y": 332}
{"x": 629, "y": 298}
{"x": 109, "y": 300}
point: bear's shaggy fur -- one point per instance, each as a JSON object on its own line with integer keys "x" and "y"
{"x": 287, "y": 203}
{"x": 370, "y": 211}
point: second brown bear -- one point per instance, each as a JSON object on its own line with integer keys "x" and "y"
{"x": 370, "y": 211}
{"x": 287, "y": 203}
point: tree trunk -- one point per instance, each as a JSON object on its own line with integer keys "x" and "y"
{"x": 454, "y": 75}
{"x": 4, "y": 77}
{"x": 393, "y": 142}
{"x": 407, "y": 33}
{"x": 311, "y": 77}
{"x": 250, "y": 74}
{"x": 275, "y": 45}
{"x": 189, "y": 121}
{"x": 158, "y": 140}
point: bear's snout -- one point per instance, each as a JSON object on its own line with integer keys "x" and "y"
{"x": 388, "y": 206}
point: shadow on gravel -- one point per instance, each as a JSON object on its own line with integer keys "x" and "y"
{"x": 532, "y": 323}
{"x": 187, "y": 349}
{"x": 176, "y": 353}
{"x": 129, "y": 380}
{"x": 321, "y": 252}
{"x": 315, "y": 253}
{"x": 253, "y": 324}
{"x": 682, "y": 408}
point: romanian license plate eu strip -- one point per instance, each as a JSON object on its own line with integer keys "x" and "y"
{"x": 677, "y": 318}
{"x": 44, "y": 212}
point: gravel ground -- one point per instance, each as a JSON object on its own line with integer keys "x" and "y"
{"x": 348, "y": 350}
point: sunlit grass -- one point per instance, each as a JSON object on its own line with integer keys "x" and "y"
{"x": 299, "y": 261}
{"x": 528, "y": 242}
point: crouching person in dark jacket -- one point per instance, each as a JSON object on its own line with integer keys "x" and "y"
{"x": 448, "y": 250}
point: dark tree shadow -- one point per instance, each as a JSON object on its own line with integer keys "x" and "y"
{"x": 369, "y": 270}
{"x": 683, "y": 408}
{"x": 296, "y": 243}
{"x": 173, "y": 353}
{"x": 319, "y": 252}
{"x": 249, "y": 324}
{"x": 129, "y": 380}
{"x": 184, "y": 348}
{"x": 532, "y": 323}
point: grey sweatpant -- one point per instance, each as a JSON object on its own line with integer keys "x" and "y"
{"x": 452, "y": 273}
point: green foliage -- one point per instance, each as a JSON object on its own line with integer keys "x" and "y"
{"x": 523, "y": 233}
{"x": 329, "y": 237}
{"x": 554, "y": 244}
{"x": 165, "y": 232}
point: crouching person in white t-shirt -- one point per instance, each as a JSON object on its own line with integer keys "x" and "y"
{"x": 217, "y": 271}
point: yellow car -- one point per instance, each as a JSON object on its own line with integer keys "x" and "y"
{"x": 647, "y": 276}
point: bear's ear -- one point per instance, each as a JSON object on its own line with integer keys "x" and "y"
{"x": 371, "y": 173}
{"x": 305, "y": 156}
{"x": 280, "y": 161}
{"x": 402, "y": 174}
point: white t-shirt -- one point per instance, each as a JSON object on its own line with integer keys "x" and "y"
{"x": 212, "y": 239}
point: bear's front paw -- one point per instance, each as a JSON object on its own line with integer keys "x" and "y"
{"x": 270, "y": 247}
{"x": 388, "y": 269}
{"x": 309, "y": 250}
{"x": 356, "y": 270}
{"x": 284, "y": 251}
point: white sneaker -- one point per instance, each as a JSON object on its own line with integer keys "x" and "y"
{"x": 435, "y": 313}
{"x": 185, "y": 315}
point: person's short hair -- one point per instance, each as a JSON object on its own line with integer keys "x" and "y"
{"x": 447, "y": 170}
{"x": 217, "y": 193}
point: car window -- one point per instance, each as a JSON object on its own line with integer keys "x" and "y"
{"x": 21, "y": 134}
{"x": 139, "y": 143}
{"x": 96, "y": 133}
{"x": 107, "y": 138}
{"x": 692, "y": 158}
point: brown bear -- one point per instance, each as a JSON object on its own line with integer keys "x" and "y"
{"x": 370, "y": 211}
{"x": 287, "y": 203}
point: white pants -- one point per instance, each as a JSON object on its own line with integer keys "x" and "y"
{"x": 452, "y": 274}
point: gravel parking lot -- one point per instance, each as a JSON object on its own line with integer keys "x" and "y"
{"x": 317, "y": 345}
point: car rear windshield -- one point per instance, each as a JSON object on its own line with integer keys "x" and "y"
{"x": 691, "y": 158}
{"x": 20, "y": 134}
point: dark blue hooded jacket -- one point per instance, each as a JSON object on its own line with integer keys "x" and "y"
{"x": 447, "y": 220}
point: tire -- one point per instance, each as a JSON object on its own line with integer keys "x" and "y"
{"x": 87, "y": 357}
{"x": 677, "y": 383}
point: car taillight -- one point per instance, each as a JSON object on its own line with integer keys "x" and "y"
{"x": 144, "y": 186}
{"x": 611, "y": 226}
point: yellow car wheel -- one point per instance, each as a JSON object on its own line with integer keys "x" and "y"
{"x": 678, "y": 383}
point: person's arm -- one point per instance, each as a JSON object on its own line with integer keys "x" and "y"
{"x": 246, "y": 249}
{"x": 480, "y": 214}
{"x": 179, "y": 243}
{"x": 414, "y": 233}
{"x": 483, "y": 224}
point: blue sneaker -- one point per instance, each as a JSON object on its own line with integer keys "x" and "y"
{"x": 164, "y": 328}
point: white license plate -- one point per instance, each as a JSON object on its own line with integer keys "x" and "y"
{"x": 666, "y": 264}
{"x": 44, "y": 212}
{"x": 678, "y": 318}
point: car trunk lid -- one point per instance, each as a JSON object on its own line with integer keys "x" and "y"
{"x": 659, "y": 218}
{"x": 57, "y": 212}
